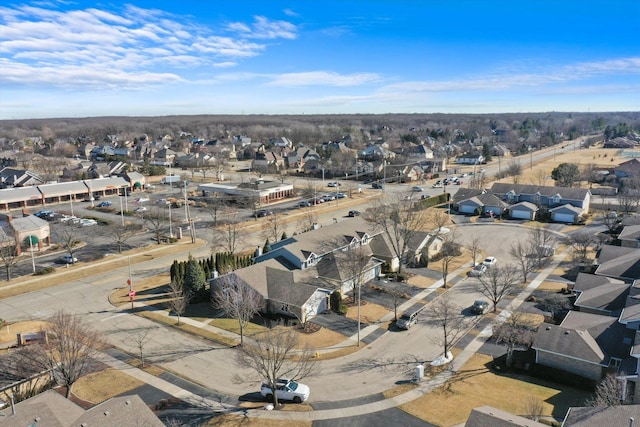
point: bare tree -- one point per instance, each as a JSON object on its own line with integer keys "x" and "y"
{"x": 533, "y": 408}
{"x": 474, "y": 248}
{"x": 516, "y": 331}
{"x": 449, "y": 251}
{"x": 398, "y": 221}
{"x": 157, "y": 222}
{"x": 444, "y": 314}
{"x": 217, "y": 205}
{"x": 27, "y": 378}
{"x": 71, "y": 348}
{"x": 522, "y": 252}
{"x": 238, "y": 300}
{"x": 540, "y": 240}
{"x": 308, "y": 219}
{"x": 580, "y": 242}
{"x": 556, "y": 304}
{"x": 353, "y": 263}
{"x": 497, "y": 283}
{"x": 8, "y": 254}
{"x": 628, "y": 200}
{"x": 68, "y": 238}
{"x": 229, "y": 237}
{"x": 540, "y": 177}
{"x": 140, "y": 338}
{"x": 273, "y": 227}
{"x": 180, "y": 296}
{"x": 273, "y": 354}
{"x": 608, "y": 393}
{"x": 120, "y": 234}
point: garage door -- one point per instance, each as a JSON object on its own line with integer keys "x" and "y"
{"x": 520, "y": 214}
{"x": 467, "y": 209}
{"x": 563, "y": 217}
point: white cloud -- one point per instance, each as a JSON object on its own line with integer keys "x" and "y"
{"x": 323, "y": 78}
{"x": 138, "y": 42}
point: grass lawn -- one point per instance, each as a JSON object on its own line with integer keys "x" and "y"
{"x": 231, "y": 325}
{"x": 8, "y": 333}
{"x": 100, "y": 386}
{"x": 475, "y": 385}
{"x": 369, "y": 313}
{"x": 321, "y": 339}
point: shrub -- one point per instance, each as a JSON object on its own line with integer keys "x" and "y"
{"x": 44, "y": 271}
{"x": 336, "y": 303}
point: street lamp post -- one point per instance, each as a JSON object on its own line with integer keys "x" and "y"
{"x": 170, "y": 226}
{"x": 71, "y": 202}
{"x": 121, "y": 211}
{"x": 33, "y": 261}
{"x": 359, "y": 287}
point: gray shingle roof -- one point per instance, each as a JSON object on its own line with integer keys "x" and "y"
{"x": 611, "y": 416}
{"x": 564, "y": 192}
{"x": 617, "y": 261}
{"x": 487, "y": 416}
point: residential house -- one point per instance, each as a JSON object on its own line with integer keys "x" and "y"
{"x": 488, "y": 416}
{"x": 566, "y": 213}
{"x": 52, "y": 409}
{"x": 598, "y": 416}
{"x": 268, "y": 160}
{"x": 464, "y": 193}
{"x": 482, "y": 204}
{"x": 281, "y": 142}
{"x": 618, "y": 262}
{"x": 101, "y": 152}
{"x": 523, "y": 210}
{"x": 434, "y": 165}
{"x": 620, "y": 142}
{"x": 470, "y": 159}
{"x": 163, "y": 157}
{"x": 11, "y": 177}
{"x": 376, "y": 152}
{"x": 630, "y": 236}
{"x": 299, "y": 273}
{"x": 102, "y": 170}
{"x": 499, "y": 150}
{"x": 418, "y": 152}
{"x": 423, "y": 246}
{"x": 297, "y": 158}
{"x": 584, "y": 344}
{"x": 600, "y": 295}
{"x": 545, "y": 197}
{"x": 628, "y": 169}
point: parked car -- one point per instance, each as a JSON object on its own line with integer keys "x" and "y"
{"x": 437, "y": 185}
{"x": 478, "y": 270}
{"x": 490, "y": 261}
{"x": 141, "y": 209}
{"x": 480, "y": 307}
{"x": 87, "y": 222}
{"x": 340, "y": 196}
{"x": 304, "y": 204}
{"x": 142, "y": 199}
{"x": 417, "y": 189}
{"x": 68, "y": 259}
{"x": 354, "y": 213}
{"x": 459, "y": 182}
{"x": 164, "y": 202}
{"x": 409, "y": 318}
{"x": 286, "y": 390}
{"x": 89, "y": 199}
{"x": 68, "y": 218}
{"x": 328, "y": 197}
{"x": 377, "y": 185}
{"x": 43, "y": 214}
{"x": 334, "y": 184}
{"x": 263, "y": 212}
{"x": 104, "y": 204}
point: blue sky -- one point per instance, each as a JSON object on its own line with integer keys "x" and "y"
{"x": 144, "y": 58}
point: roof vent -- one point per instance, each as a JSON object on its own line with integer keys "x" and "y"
{"x": 566, "y": 332}
{"x": 548, "y": 328}
{"x": 106, "y": 413}
{"x": 127, "y": 402}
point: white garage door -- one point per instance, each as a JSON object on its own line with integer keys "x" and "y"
{"x": 467, "y": 209}
{"x": 563, "y": 217}
{"x": 520, "y": 214}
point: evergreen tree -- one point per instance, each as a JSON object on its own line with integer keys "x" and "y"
{"x": 194, "y": 280}
{"x": 267, "y": 247}
{"x": 284, "y": 235}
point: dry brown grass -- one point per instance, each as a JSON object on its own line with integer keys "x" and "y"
{"x": 8, "y": 333}
{"x": 369, "y": 313}
{"x": 420, "y": 281}
{"x": 474, "y": 385}
{"x": 100, "y": 386}
{"x": 143, "y": 288}
{"x": 321, "y": 339}
{"x": 551, "y": 286}
{"x": 189, "y": 328}
{"x": 399, "y": 389}
{"x": 232, "y": 420}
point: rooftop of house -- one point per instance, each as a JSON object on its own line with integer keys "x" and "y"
{"x": 564, "y": 192}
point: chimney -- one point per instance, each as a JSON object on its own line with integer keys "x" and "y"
{"x": 631, "y": 421}
{"x": 258, "y": 251}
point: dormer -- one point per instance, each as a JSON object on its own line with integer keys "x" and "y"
{"x": 536, "y": 197}
{"x": 510, "y": 195}
{"x": 556, "y": 199}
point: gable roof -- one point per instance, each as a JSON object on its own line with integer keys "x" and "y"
{"x": 488, "y": 416}
{"x": 630, "y": 232}
{"x": 618, "y": 261}
{"x": 619, "y": 415}
{"x": 28, "y": 223}
{"x": 564, "y": 192}
{"x": 566, "y": 209}
{"x": 524, "y": 206}
{"x": 607, "y": 296}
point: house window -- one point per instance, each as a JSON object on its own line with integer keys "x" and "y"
{"x": 615, "y": 362}
{"x": 511, "y": 196}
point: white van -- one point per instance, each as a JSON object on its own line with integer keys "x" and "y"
{"x": 409, "y": 318}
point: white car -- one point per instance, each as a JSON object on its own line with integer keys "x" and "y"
{"x": 141, "y": 209}
{"x": 86, "y": 222}
{"x": 286, "y": 390}
{"x": 489, "y": 261}
{"x": 68, "y": 259}
{"x": 142, "y": 199}
{"x": 333, "y": 184}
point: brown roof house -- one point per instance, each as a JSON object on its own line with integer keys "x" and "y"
{"x": 297, "y": 275}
